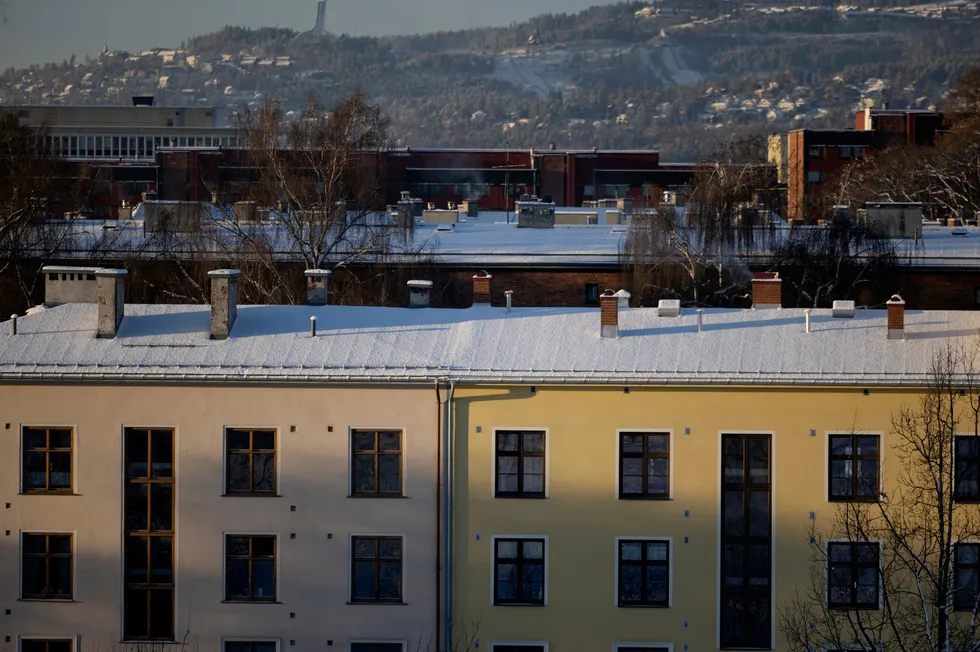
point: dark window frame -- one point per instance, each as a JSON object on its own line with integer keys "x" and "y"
{"x": 853, "y": 459}
{"x": 150, "y": 586}
{"x": 251, "y": 557}
{"x": 47, "y": 450}
{"x": 970, "y": 463}
{"x": 645, "y": 455}
{"x": 376, "y": 646}
{"x": 517, "y": 647}
{"x": 641, "y": 648}
{"x": 644, "y": 563}
{"x": 521, "y": 564}
{"x": 252, "y": 644}
{"x": 251, "y": 452}
{"x": 47, "y": 556}
{"x": 960, "y": 602}
{"x": 377, "y": 560}
{"x": 377, "y": 453}
{"x": 520, "y": 454}
{"x": 854, "y": 565}
{"x": 592, "y": 294}
{"x": 34, "y": 640}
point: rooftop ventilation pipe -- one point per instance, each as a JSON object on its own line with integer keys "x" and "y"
{"x": 418, "y": 293}
{"x": 317, "y": 286}
{"x": 224, "y": 302}
{"x": 896, "y": 318}
{"x": 13, "y": 324}
{"x": 806, "y": 314}
{"x": 110, "y": 289}
{"x": 669, "y": 308}
{"x": 623, "y": 298}
{"x": 843, "y": 309}
{"x": 509, "y": 294}
{"x": 609, "y": 314}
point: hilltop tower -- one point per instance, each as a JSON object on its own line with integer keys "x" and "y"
{"x": 320, "y": 28}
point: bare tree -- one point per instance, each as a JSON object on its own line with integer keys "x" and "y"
{"x": 465, "y": 637}
{"x": 904, "y": 538}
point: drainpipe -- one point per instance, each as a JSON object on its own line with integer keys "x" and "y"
{"x": 446, "y": 390}
{"x": 438, "y": 623}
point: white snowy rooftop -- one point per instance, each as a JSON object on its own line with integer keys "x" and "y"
{"x": 165, "y": 343}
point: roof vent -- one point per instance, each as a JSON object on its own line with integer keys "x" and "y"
{"x": 445, "y": 228}
{"x": 669, "y": 308}
{"x": 624, "y": 299}
{"x": 620, "y": 229}
{"x": 960, "y": 231}
{"x": 843, "y": 309}
{"x": 418, "y": 293}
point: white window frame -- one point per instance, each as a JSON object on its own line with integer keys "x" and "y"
{"x": 74, "y": 640}
{"x": 670, "y": 573}
{"x": 826, "y": 572}
{"x": 350, "y": 576}
{"x": 547, "y": 457}
{"x": 493, "y": 576}
{"x": 826, "y": 458}
{"x": 670, "y": 460}
{"x": 224, "y": 571}
{"x": 350, "y": 462}
{"x": 74, "y": 459}
{"x": 74, "y": 570}
{"x": 224, "y": 461}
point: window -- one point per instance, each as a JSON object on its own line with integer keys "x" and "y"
{"x": 853, "y": 467}
{"x": 976, "y": 297}
{"x": 520, "y": 464}
{"x": 251, "y": 461}
{"x": 47, "y": 460}
{"x": 967, "y": 478}
{"x": 376, "y": 569}
{"x": 641, "y": 648}
{"x": 518, "y": 571}
{"x": 46, "y": 567}
{"x": 250, "y": 646}
{"x": 857, "y": 152}
{"x": 250, "y": 568}
{"x": 644, "y": 465}
{"x": 376, "y": 647}
{"x": 518, "y": 648}
{"x": 45, "y": 645}
{"x": 816, "y": 151}
{"x": 966, "y": 568}
{"x": 814, "y": 176}
{"x": 376, "y": 467}
{"x": 852, "y": 575}
{"x": 643, "y": 573}
{"x": 148, "y": 556}
{"x": 591, "y": 294}
{"x": 844, "y": 152}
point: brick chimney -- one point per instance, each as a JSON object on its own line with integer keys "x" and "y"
{"x": 418, "y": 293}
{"x": 224, "y": 302}
{"x": 609, "y": 314}
{"x": 110, "y": 293}
{"x": 316, "y": 286}
{"x": 481, "y": 289}
{"x": 896, "y": 318}
{"x": 767, "y": 291}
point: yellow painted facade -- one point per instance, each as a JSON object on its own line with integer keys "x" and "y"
{"x": 582, "y": 515}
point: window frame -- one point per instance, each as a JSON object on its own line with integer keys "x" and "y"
{"x": 73, "y": 640}
{"x": 376, "y": 453}
{"x": 275, "y": 569}
{"x": 853, "y": 459}
{"x": 975, "y": 497}
{"x": 852, "y": 605}
{"x": 519, "y": 494}
{"x": 47, "y": 556}
{"x": 592, "y": 290}
{"x": 957, "y": 606}
{"x": 669, "y": 563}
{"x": 250, "y": 640}
{"x": 401, "y": 643}
{"x": 520, "y": 538}
{"x": 620, "y": 433}
{"x": 496, "y": 645}
{"x": 70, "y": 491}
{"x": 377, "y": 560}
{"x": 251, "y": 452}
{"x": 622, "y": 647}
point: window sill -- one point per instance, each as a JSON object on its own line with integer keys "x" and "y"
{"x": 520, "y": 496}
{"x": 395, "y": 496}
{"x": 519, "y": 604}
{"x": 152, "y": 641}
{"x": 662, "y": 499}
{"x": 45, "y": 600}
{"x": 840, "y": 607}
{"x": 643, "y": 606}
{"x": 251, "y": 495}
{"x": 250, "y": 602}
{"x": 48, "y": 493}
{"x": 366, "y": 603}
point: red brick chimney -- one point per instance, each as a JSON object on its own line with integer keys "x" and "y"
{"x": 896, "y": 318}
{"x": 609, "y": 314}
{"x": 767, "y": 291}
{"x": 481, "y": 289}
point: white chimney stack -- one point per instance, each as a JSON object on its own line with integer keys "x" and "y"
{"x": 317, "y": 286}
{"x": 418, "y": 293}
{"x": 224, "y": 302}
{"x": 110, "y": 291}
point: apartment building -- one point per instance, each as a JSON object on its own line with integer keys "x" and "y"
{"x": 610, "y": 479}
{"x": 235, "y": 504}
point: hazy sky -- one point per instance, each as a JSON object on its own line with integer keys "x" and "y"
{"x": 39, "y": 31}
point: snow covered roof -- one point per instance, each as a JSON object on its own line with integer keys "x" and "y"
{"x": 268, "y": 344}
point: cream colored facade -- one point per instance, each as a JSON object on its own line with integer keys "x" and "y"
{"x": 582, "y": 515}
{"x": 312, "y": 515}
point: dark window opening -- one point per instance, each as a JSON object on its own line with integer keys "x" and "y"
{"x": 376, "y": 647}
{"x": 250, "y": 646}
{"x": 853, "y": 467}
{"x": 250, "y": 568}
{"x": 518, "y": 571}
{"x": 46, "y": 561}
{"x": 644, "y": 568}
{"x": 47, "y": 460}
{"x": 520, "y": 459}
{"x": 45, "y": 645}
{"x": 644, "y": 465}
{"x": 967, "y": 479}
{"x": 376, "y": 569}
{"x": 376, "y": 463}
{"x": 251, "y": 461}
{"x": 852, "y": 575}
{"x": 592, "y": 294}
{"x": 966, "y": 569}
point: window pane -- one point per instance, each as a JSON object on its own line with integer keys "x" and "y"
{"x": 839, "y": 552}
{"x": 533, "y": 442}
{"x": 238, "y": 472}
{"x": 161, "y": 505}
{"x": 867, "y": 445}
{"x": 264, "y": 440}
{"x": 364, "y": 580}
{"x": 390, "y": 549}
{"x": 162, "y": 454}
{"x": 263, "y": 579}
{"x": 533, "y": 483}
{"x": 657, "y": 551}
{"x": 136, "y": 507}
{"x": 656, "y": 583}
{"x": 35, "y": 438}
{"x": 59, "y": 544}
{"x": 60, "y": 470}
{"x": 633, "y": 466}
{"x": 263, "y": 546}
{"x": 734, "y": 510}
{"x": 532, "y": 585}
{"x": 263, "y": 472}
{"x": 137, "y": 616}
{"x": 631, "y": 583}
{"x": 390, "y": 473}
{"x": 533, "y": 549}
{"x": 365, "y": 548}
{"x": 237, "y": 579}
{"x": 966, "y": 553}
{"x": 364, "y": 480}
{"x": 507, "y": 549}
{"x": 758, "y": 460}
{"x": 631, "y": 551}
{"x": 506, "y": 483}
{"x": 239, "y": 440}
{"x": 60, "y": 576}
{"x": 238, "y": 546}
{"x": 161, "y": 614}
{"x": 137, "y": 560}
{"x": 507, "y": 441}
{"x": 35, "y": 470}
{"x": 632, "y": 443}
{"x": 34, "y": 580}
{"x": 389, "y": 581}
{"x": 389, "y": 441}
{"x": 632, "y": 484}
{"x": 137, "y": 453}
{"x": 758, "y": 513}
{"x": 60, "y": 438}
{"x": 161, "y": 560}
{"x": 658, "y": 443}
